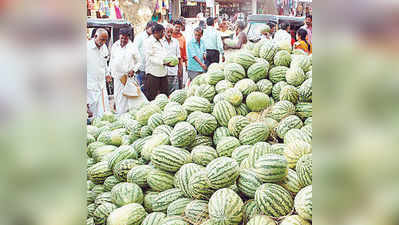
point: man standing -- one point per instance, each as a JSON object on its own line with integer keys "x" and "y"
{"x": 172, "y": 50}
{"x": 283, "y": 33}
{"x": 155, "y": 81}
{"x": 183, "y": 52}
{"x": 97, "y": 57}
{"x": 213, "y": 43}
{"x": 308, "y": 26}
{"x": 125, "y": 61}
{"x": 196, "y": 55}
{"x": 139, "y": 44}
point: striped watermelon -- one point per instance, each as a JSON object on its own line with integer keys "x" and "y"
{"x": 126, "y": 193}
{"x": 206, "y": 124}
{"x": 154, "y": 218}
{"x": 159, "y": 180}
{"x": 302, "y": 61}
{"x": 282, "y": 58}
{"x": 133, "y": 127}
{"x": 268, "y": 51}
{"x": 155, "y": 120}
{"x": 295, "y": 151}
{"x": 242, "y": 109}
{"x": 271, "y": 168}
{"x": 298, "y": 51}
{"x": 123, "y": 167}
{"x": 90, "y": 162}
{"x": 233, "y": 95}
{"x": 121, "y": 153}
{"x": 273, "y": 200}
{"x": 110, "y": 182}
{"x": 250, "y": 210}
{"x": 288, "y": 123}
{"x": 294, "y": 220}
{"x": 92, "y": 146}
{"x": 131, "y": 214}
{"x": 173, "y": 115}
{"x": 295, "y": 76}
{"x": 200, "y": 79}
{"x": 90, "y": 210}
{"x": 215, "y": 67}
{"x": 219, "y": 133}
{"x": 90, "y": 185}
{"x": 213, "y": 77}
{"x": 183, "y": 176}
{"x": 277, "y": 74}
{"x": 258, "y": 45}
{"x": 145, "y": 131}
{"x": 201, "y": 140}
{"x": 177, "y": 207}
{"x": 202, "y": 155}
{"x": 150, "y": 144}
{"x": 307, "y": 129}
{"x": 245, "y": 59}
{"x": 305, "y": 91}
{"x": 169, "y": 158}
{"x": 265, "y": 86}
{"x": 281, "y": 110}
{"x": 139, "y": 143}
{"x": 174, "y": 220}
{"x": 226, "y": 146}
{"x": 194, "y": 116}
{"x": 222, "y": 172}
{"x": 146, "y": 112}
{"x": 149, "y": 199}
{"x": 139, "y": 175}
{"x": 276, "y": 90}
{"x": 258, "y": 71}
{"x": 246, "y": 86}
{"x": 178, "y": 96}
{"x": 257, "y": 150}
{"x": 183, "y": 134}
{"x": 99, "y": 172}
{"x": 223, "y": 85}
{"x": 258, "y": 101}
{"x": 102, "y": 212}
{"x": 99, "y": 154}
{"x": 225, "y": 207}
{"x": 241, "y": 153}
{"x": 163, "y": 199}
{"x": 309, "y": 74}
{"x": 103, "y": 198}
{"x": 247, "y": 182}
{"x": 199, "y": 187}
{"x": 304, "y": 110}
{"x": 191, "y": 90}
{"x": 303, "y": 203}
{"x": 304, "y": 170}
{"x": 91, "y": 197}
{"x": 291, "y": 182}
{"x": 289, "y": 93}
{"x": 195, "y": 103}
{"x": 206, "y": 91}
{"x": 294, "y": 135}
{"x": 234, "y": 72}
{"x": 218, "y": 98}
{"x": 261, "y": 220}
{"x": 253, "y": 133}
{"x": 308, "y": 121}
{"x": 224, "y": 111}
{"x": 161, "y": 100}
{"x": 236, "y": 124}
{"x": 196, "y": 211}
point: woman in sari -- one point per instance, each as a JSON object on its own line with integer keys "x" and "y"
{"x": 302, "y": 43}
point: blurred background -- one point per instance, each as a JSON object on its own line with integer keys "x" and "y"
{"x": 356, "y": 108}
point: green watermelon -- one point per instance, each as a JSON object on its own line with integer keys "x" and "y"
{"x": 261, "y": 220}
{"x": 131, "y": 214}
{"x": 304, "y": 170}
{"x": 236, "y": 124}
{"x": 305, "y": 91}
{"x": 273, "y": 200}
{"x": 103, "y": 198}
{"x": 265, "y": 86}
{"x": 176, "y": 208}
{"x": 110, "y": 182}
{"x": 303, "y": 203}
{"x": 248, "y": 182}
{"x": 139, "y": 175}
{"x": 206, "y": 124}
{"x": 182, "y": 177}
{"x": 213, "y": 77}
{"x": 203, "y": 155}
{"x": 257, "y": 150}
{"x": 102, "y": 212}
{"x": 163, "y": 199}
{"x": 223, "y": 85}
{"x": 126, "y": 193}
{"x": 149, "y": 199}
{"x": 276, "y": 90}
{"x": 173, "y": 115}
{"x": 282, "y": 58}
{"x": 295, "y": 151}
{"x": 224, "y": 111}
{"x": 268, "y": 51}
{"x": 178, "y": 96}
{"x": 154, "y": 218}
{"x": 225, "y": 207}
{"x": 222, "y": 172}
{"x": 307, "y": 129}
{"x": 183, "y": 134}
{"x": 241, "y": 153}
{"x": 245, "y": 59}
{"x": 246, "y": 86}
{"x": 250, "y": 210}
{"x": 281, "y": 110}
{"x": 199, "y": 187}
{"x": 121, "y": 153}
{"x": 253, "y": 133}
{"x": 258, "y": 71}
{"x": 295, "y": 76}
{"x": 201, "y": 140}
{"x": 302, "y": 61}
{"x": 145, "y": 131}
{"x": 206, "y": 91}
{"x": 110, "y": 138}
{"x": 289, "y": 93}
{"x": 161, "y": 100}
{"x": 291, "y": 182}
{"x": 172, "y": 60}
{"x": 308, "y": 121}
{"x": 99, "y": 172}
{"x": 287, "y": 124}
{"x": 277, "y": 74}
{"x": 196, "y": 211}
{"x": 123, "y": 167}
{"x": 271, "y": 168}
{"x": 195, "y": 103}
{"x": 294, "y": 220}
{"x": 258, "y": 101}
{"x": 296, "y": 134}
{"x": 219, "y": 133}
{"x": 233, "y": 95}
{"x": 234, "y": 72}
{"x": 226, "y": 146}
{"x": 169, "y": 158}
{"x": 159, "y": 180}
{"x": 151, "y": 143}
{"x": 304, "y": 110}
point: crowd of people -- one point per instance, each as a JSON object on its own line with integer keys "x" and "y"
{"x": 140, "y": 63}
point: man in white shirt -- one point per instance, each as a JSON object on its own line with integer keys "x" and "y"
{"x": 283, "y": 33}
{"x": 213, "y": 43}
{"x": 172, "y": 50}
{"x": 156, "y": 81}
{"x": 97, "y": 57}
{"x": 125, "y": 62}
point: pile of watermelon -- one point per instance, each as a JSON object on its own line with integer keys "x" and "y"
{"x": 233, "y": 148}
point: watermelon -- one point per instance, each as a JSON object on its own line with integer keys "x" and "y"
{"x": 183, "y": 134}
{"x": 271, "y": 168}
{"x": 169, "y": 158}
{"x": 200, "y": 79}
{"x": 277, "y": 74}
{"x": 110, "y": 138}
{"x": 281, "y": 110}
{"x": 172, "y": 60}
{"x": 213, "y": 77}
{"x": 284, "y": 45}
{"x": 273, "y": 200}
{"x": 282, "y": 58}
{"x": 253, "y": 133}
{"x": 234, "y": 72}
{"x": 296, "y": 134}
{"x": 304, "y": 110}
{"x": 131, "y": 214}
{"x": 265, "y": 86}
{"x": 145, "y": 131}
{"x": 241, "y": 153}
{"x": 258, "y": 45}
{"x": 308, "y": 121}
{"x": 102, "y": 212}
{"x": 226, "y": 146}
{"x": 121, "y": 153}
{"x": 258, "y": 101}
{"x": 245, "y": 59}
{"x": 246, "y": 86}
{"x": 206, "y": 91}
{"x": 149, "y": 199}
{"x": 104, "y": 197}
{"x": 195, "y": 103}
{"x": 291, "y": 182}
{"x": 233, "y": 95}
{"x": 223, "y": 85}
{"x": 146, "y": 112}
{"x": 139, "y": 175}
{"x": 201, "y": 140}
{"x": 182, "y": 177}
{"x": 304, "y": 170}
{"x": 268, "y": 51}
{"x": 215, "y": 67}
{"x": 191, "y": 90}
{"x": 225, "y": 207}
{"x": 202, "y": 155}
{"x": 161, "y": 100}
{"x": 250, "y": 210}
{"x": 302, "y": 61}
{"x": 126, "y": 193}
{"x": 261, "y": 220}
{"x": 242, "y": 109}
{"x": 90, "y": 210}
{"x": 287, "y": 124}
{"x": 133, "y": 128}
{"x": 218, "y": 98}
{"x": 309, "y": 74}
{"x": 109, "y": 117}
{"x": 294, "y": 220}
{"x": 173, "y": 115}
{"x": 295, "y": 151}
{"x": 248, "y": 182}
{"x": 174, "y": 220}
{"x": 177, "y": 207}
{"x": 99, "y": 172}
{"x": 123, "y": 167}
{"x": 305, "y": 91}
{"x": 206, "y": 124}
{"x": 222, "y": 172}
{"x": 90, "y": 139}
{"x": 178, "y": 96}
{"x": 276, "y": 90}
{"x": 103, "y": 152}
{"x": 224, "y": 111}
{"x": 110, "y": 182}
{"x": 257, "y": 150}
{"x": 219, "y": 133}
{"x": 196, "y": 211}
{"x": 198, "y": 186}
{"x": 150, "y": 144}
{"x": 258, "y": 71}
{"x": 295, "y": 76}
{"x": 92, "y": 146}
{"x": 307, "y": 129}
{"x": 236, "y": 124}
{"x": 163, "y": 199}
{"x": 303, "y": 203}
{"x": 193, "y": 117}
{"x": 159, "y": 180}
{"x": 154, "y": 218}
{"x": 298, "y": 51}
{"x": 289, "y": 93}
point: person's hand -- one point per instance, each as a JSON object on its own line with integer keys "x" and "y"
{"x": 204, "y": 67}
{"x": 108, "y": 78}
{"x": 223, "y": 58}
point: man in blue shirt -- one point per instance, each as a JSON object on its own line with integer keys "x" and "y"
{"x": 196, "y": 55}
{"x": 213, "y": 43}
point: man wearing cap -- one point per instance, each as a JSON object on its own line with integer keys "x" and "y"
{"x": 125, "y": 62}
{"x": 213, "y": 43}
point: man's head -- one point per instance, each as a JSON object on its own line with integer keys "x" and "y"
{"x": 158, "y": 31}
{"x": 210, "y": 21}
{"x": 272, "y": 27}
{"x": 308, "y": 20}
{"x": 240, "y": 26}
{"x": 178, "y": 26}
{"x": 286, "y": 27}
{"x": 198, "y": 33}
{"x": 169, "y": 31}
{"x": 101, "y": 37}
{"x": 124, "y": 37}
{"x": 183, "y": 22}
{"x": 148, "y": 27}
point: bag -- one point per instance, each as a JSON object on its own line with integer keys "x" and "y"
{"x": 131, "y": 89}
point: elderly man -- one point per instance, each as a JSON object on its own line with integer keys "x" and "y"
{"x": 125, "y": 62}
{"x": 283, "y": 33}
{"x": 97, "y": 57}
{"x": 173, "y": 50}
{"x": 196, "y": 55}
{"x": 213, "y": 43}
{"x": 183, "y": 51}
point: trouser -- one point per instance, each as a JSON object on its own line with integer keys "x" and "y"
{"x": 212, "y": 56}
{"x": 140, "y": 79}
{"x": 193, "y": 74}
{"x": 154, "y": 86}
{"x": 173, "y": 84}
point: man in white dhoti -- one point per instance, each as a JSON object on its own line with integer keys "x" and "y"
{"x": 125, "y": 62}
{"x": 97, "y": 57}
